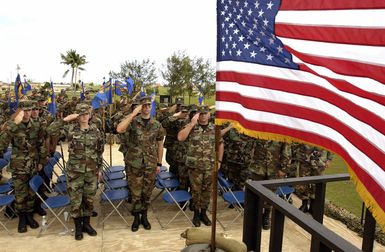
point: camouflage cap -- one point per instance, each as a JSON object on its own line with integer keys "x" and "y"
{"x": 25, "y": 104}
{"x": 184, "y": 108}
{"x": 193, "y": 108}
{"x": 34, "y": 105}
{"x": 203, "y": 109}
{"x": 136, "y": 102}
{"x": 82, "y": 108}
{"x": 40, "y": 98}
{"x": 145, "y": 100}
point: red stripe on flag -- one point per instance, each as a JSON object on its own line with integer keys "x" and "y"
{"x": 345, "y": 86}
{"x": 371, "y": 185}
{"x": 344, "y": 35}
{"x": 330, "y": 5}
{"x": 342, "y": 66}
{"x": 316, "y": 116}
{"x": 296, "y": 87}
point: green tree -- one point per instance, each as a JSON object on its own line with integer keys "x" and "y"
{"x": 74, "y": 61}
{"x": 173, "y": 74}
{"x": 204, "y": 76}
{"x": 140, "y": 72}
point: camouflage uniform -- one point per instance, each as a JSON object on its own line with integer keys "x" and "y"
{"x": 28, "y": 150}
{"x": 238, "y": 148}
{"x": 141, "y": 159}
{"x": 85, "y": 159}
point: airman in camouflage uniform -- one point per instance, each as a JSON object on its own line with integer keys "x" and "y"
{"x": 307, "y": 160}
{"x": 85, "y": 149}
{"x": 268, "y": 160}
{"x": 143, "y": 158}
{"x": 28, "y": 156}
{"x": 200, "y": 135}
{"x": 172, "y": 125}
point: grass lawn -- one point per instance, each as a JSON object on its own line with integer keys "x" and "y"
{"x": 342, "y": 194}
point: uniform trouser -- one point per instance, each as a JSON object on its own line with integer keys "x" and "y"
{"x": 81, "y": 188}
{"x": 200, "y": 187}
{"x": 170, "y": 158}
{"x": 142, "y": 183}
{"x": 258, "y": 177}
{"x": 184, "y": 181}
{"x": 24, "y": 196}
{"x": 237, "y": 173}
{"x": 306, "y": 191}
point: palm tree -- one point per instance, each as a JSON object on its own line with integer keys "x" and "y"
{"x": 75, "y": 61}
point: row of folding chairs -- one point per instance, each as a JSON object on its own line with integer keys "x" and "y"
{"x": 6, "y": 190}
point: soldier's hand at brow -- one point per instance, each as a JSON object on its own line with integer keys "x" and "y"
{"x": 71, "y": 117}
{"x": 173, "y": 108}
{"x": 18, "y": 116}
{"x": 180, "y": 114}
{"x": 137, "y": 110}
{"x": 194, "y": 120}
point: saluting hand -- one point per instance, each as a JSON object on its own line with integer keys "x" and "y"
{"x": 137, "y": 110}
{"x": 71, "y": 117}
{"x": 180, "y": 114}
{"x": 18, "y": 116}
{"x": 172, "y": 108}
{"x": 194, "y": 120}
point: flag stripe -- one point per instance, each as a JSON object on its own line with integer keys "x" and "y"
{"x": 306, "y": 90}
{"x": 369, "y": 181}
{"x": 316, "y": 116}
{"x": 346, "y": 86}
{"x": 343, "y": 66}
{"x": 331, "y": 5}
{"x": 358, "y": 36}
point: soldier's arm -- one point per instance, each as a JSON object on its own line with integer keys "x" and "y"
{"x": 43, "y": 150}
{"x": 159, "y": 139}
{"x": 183, "y": 134}
{"x": 225, "y": 130}
{"x": 285, "y": 158}
{"x": 6, "y": 136}
{"x": 123, "y": 125}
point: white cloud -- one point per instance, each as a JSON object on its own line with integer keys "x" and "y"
{"x": 34, "y": 33}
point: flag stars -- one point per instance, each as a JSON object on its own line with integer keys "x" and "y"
{"x": 237, "y": 3}
{"x": 231, "y": 38}
{"x": 256, "y": 4}
{"x": 260, "y": 13}
{"x": 223, "y": 53}
{"x": 287, "y": 61}
{"x": 262, "y": 49}
{"x": 262, "y": 33}
{"x": 243, "y": 23}
{"x": 223, "y": 25}
{"x": 252, "y": 54}
{"x": 226, "y": 7}
{"x": 239, "y": 52}
{"x": 236, "y": 31}
{"x": 241, "y": 38}
{"x": 280, "y": 49}
{"x": 223, "y": 39}
{"x": 234, "y": 45}
{"x": 227, "y": 32}
{"x": 250, "y": 31}
{"x": 223, "y": 13}
{"x": 246, "y": 46}
{"x": 249, "y": 12}
{"x": 271, "y": 41}
{"x": 231, "y": 25}
{"x": 269, "y": 5}
{"x": 227, "y": 45}
{"x": 239, "y": 16}
{"x": 265, "y": 22}
{"x": 269, "y": 57}
{"x": 227, "y": 19}
{"x": 245, "y": 4}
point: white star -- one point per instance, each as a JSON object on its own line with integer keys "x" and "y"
{"x": 227, "y": 31}
{"x": 234, "y": 10}
{"x": 271, "y": 41}
{"x": 249, "y": 12}
{"x": 239, "y": 16}
{"x": 230, "y": 1}
{"x": 269, "y": 5}
{"x": 223, "y": 52}
{"x": 239, "y": 52}
{"x": 230, "y": 15}
{"x": 246, "y": 46}
{"x": 280, "y": 49}
{"x": 246, "y": 4}
{"x": 222, "y": 1}
{"x": 287, "y": 60}
{"x": 255, "y": 25}
{"x": 256, "y": 42}
{"x": 226, "y": 7}
{"x": 230, "y": 52}
{"x": 231, "y": 25}
{"x": 241, "y": 10}
{"x": 230, "y": 38}
{"x": 234, "y": 45}
{"x": 269, "y": 57}
{"x": 237, "y": 3}
{"x": 223, "y": 13}
{"x": 263, "y": 49}
{"x": 227, "y": 19}
{"x": 241, "y": 38}
{"x": 262, "y": 33}
{"x": 265, "y": 22}
{"x": 227, "y": 46}
{"x": 260, "y": 13}
{"x": 250, "y": 32}
{"x": 223, "y": 25}
{"x": 256, "y": 4}
{"x": 252, "y": 54}
{"x": 236, "y": 31}
{"x": 243, "y": 23}
{"x": 223, "y": 39}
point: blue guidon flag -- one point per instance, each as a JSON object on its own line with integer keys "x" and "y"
{"x": 310, "y": 71}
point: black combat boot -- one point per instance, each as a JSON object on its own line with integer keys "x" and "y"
{"x": 310, "y": 210}
{"x": 136, "y": 223}
{"x": 78, "y": 228}
{"x": 30, "y": 221}
{"x": 22, "y": 228}
{"x": 266, "y": 219}
{"x": 204, "y": 218}
{"x": 304, "y": 207}
{"x": 144, "y": 220}
{"x": 196, "y": 220}
{"x": 87, "y": 227}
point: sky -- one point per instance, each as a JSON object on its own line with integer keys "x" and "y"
{"x": 33, "y": 34}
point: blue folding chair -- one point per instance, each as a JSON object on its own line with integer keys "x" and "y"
{"x": 60, "y": 187}
{"x": 112, "y": 169}
{"x": 285, "y": 192}
{"x": 6, "y": 200}
{"x": 180, "y": 198}
{"x": 234, "y": 198}
{"x": 59, "y": 203}
{"x": 116, "y": 198}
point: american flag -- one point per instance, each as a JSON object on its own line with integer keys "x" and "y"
{"x": 309, "y": 70}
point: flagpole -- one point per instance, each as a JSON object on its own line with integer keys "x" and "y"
{"x": 215, "y": 189}
{"x": 111, "y": 133}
